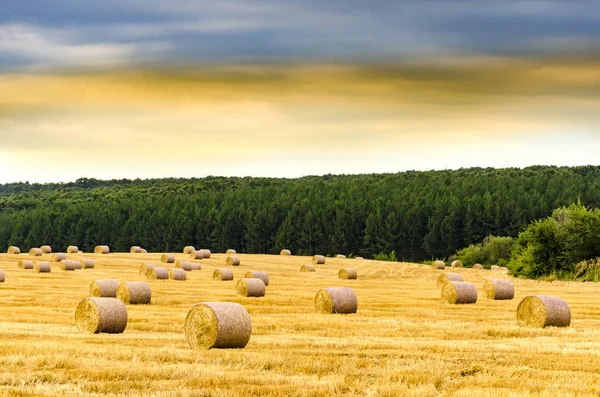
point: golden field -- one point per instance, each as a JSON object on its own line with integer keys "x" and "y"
{"x": 402, "y": 342}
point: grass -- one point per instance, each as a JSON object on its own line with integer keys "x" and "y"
{"x": 403, "y": 340}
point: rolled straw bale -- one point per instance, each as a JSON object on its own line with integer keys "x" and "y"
{"x": 42, "y": 267}
{"x": 143, "y": 251}
{"x": 72, "y": 249}
{"x": 25, "y": 264}
{"x": 135, "y": 293}
{"x": 445, "y": 277}
{"x": 459, "y": 292}
{"x": 456, "y": 263}
{"x": 68, "y": 264}
{"x": 102, "y": 249}
{"x": 2, "y": 277}
{"x": 336, "y": 300}
{"x": 230, "y": 252}
{"x": 35, "y": 252}
{"x": 145, "y": 267}
{"x": 250, "y": 287}
{"x": 177, "y": 274}
{"x": 217, "y": 325}
{"x": 59, "y": 256}
{"x": 187, "y": 266}
{"x": 87, "y": 263}
{"x": 285, "y": 252}
{"x": 135, "y": 249}
{"x": 167, "y": 258}
{"x": 360, "y": 258}
{"x": 196, "y": 255}
{"x": 232, "y": 261}
{"x": 438, "y": 265}
{"x": 77, "y": 265}
{"x": 104, "y": 288}
{"x": 223, "y": 274}
{"x": 188, "y": 249}
{"x": 499, "y": 289}
{"x": 196, "y": 266}
{"x": 14, "y": 250}
{"x": 477, "y": 266}
{"x": 205, "y": 253}
{"x": 340, "y": 256}
{"x": 96, "y": 315}
{"x": 504, "y": 268}
{"x": 262, "y": 275}
{"x": 307, "y": 268}
{"x": 348, "y": 274}
{"x": 46, "y": 249}
{"x": 494, "y": 267}
{"x": 158, "y": 273}
{"x": 318, "y": 260}
{"x": 543, "y": 311}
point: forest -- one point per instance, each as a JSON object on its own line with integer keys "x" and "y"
{"x": 421, "y": 215}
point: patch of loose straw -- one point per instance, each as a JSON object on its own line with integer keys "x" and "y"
{"x": 232, "y": 261}
{"x": 348, "y": 274}
{"x": 250, "y": 287}
{"x": 445, "y": 277}
{"x": 333, "y": 300}
{"x": 223, "y": 274}
{"x": 262, "y": 275}
{"x": 459, "y": 292}
{"x": 543, "y": 311}
{"x": 134, "y": 293}
{"x": 499, "y": 289}
{"x": 104, "y": 288}
{"x": 96, "y": 315}
{"x": 217, "y": 325}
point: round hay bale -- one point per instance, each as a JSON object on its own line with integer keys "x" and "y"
{"x": 134, "y": 293}
{"x": 196, "y": 266}
{"x": 456, "y": 263}
{"x": 87, "y": 263}
{"x": 459, "y": 292}
{"x": 188, "y": 249}
{"x": 167, "y": 258}
{"x": 42, "y": 267}
{"x": 205, "y": 253}
{"x": 438, "y": 265}
{"x": 46, "y": 249}
{"x": 504, "y": 268}
{"x": 158, "y": 273}
{"x": 445, "y": 277}
{"x": 250, "y": 287}
{"x": 348, "y": 274}
{"x": 230, "y": 252}
{"x": 318, "y": 260}
{"x": 102, "y": 249}
{"x": 143, "y": 251}
{"x": 2, "y": 276}
{"x": 307, "y": 268}
{"x": 340, "y": 256}
{"x": 187, "y": 266}
{"x": 262, "y": 275}
{"x": 35, "y": 252}
{"x": 360, "y": 258}
{"x": 104, "y": 288}
{"x": 333, "y": 300}
{"x": 196, "y": 255}
{"x": 135, "y": 249}
{"x": 72, "y": 249}
{"x": 223, "y": 274}
{"x": 96, "y": 315}
{"x": 25, "y": 264}
{"x": 14, "y": 250}
{"x": 285, "y": 252}
{"x": 218, "y": 325}
{"x": 145, "y": 267}
{"x": 499, "y": 289}
{"x": 543, "y": 311}
{"x": 177, "y": 274}
{"x": 494, "y": 267}
{"x": 232, "y": 261}
{"x": 477, "y": 266}
{"x": 67, "y": 264}
{"x": 59, "y": 256}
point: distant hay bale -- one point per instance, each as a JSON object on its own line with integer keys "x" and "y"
{"x": 504, "y": 268}
{"x": 205, "y": 253}
{"x": 145, "y": 267}
{"x": 459, "y": 292}
{"x": 196, "y": 255}
{"x": 102, "y": 249}
{"x": 348, "y": 274}
{"x": 438, "y": 265}
{"x": 334, "y": 300}
{"x": 143, "y": 251}
{"x": 167, "y": 258}
{"x": 42, "y": 267}
{"x": 196, "y": 266}
{"x": 188, "y": 249}
{"x": 477, "y": 266}
{"x": 543, "y": 311}
{"x": 96, "y": 315}
{"x": 262, "y": 275}
{"x": 87, "y": 263}
{"x": 177, "y": 274}
{"x": 68, "y": 264}
{"x": 232, "y": 261}
{"x": 217, "y": 325}
{"x": 230, "y": 252}
{"x": 59, "y": 256}
{"x": 223, "y": 274}
{"x": 456, "y": 263}
{"x": 445, "y": 277}
{"x": 307, "y": 268}
{"x": 135, "y": 249}
{"x": 35, "y": 252}
{"x": 134, "y": 293}
{"x": 25, "y": 264}
{"x": 46, "y": 249}
{"x": 360, "y": 258}
{"x": 158, "y": 273}
{"x": 187, "y": 266}
{"x": 285, "y": 252}
{"x": 340, "y": 256}
{"x": 499, "y": 289}
{"x": 318, "y": 260}
{"x": 250, "y": 287}
{"x": 14, "y": 250}
{"x": 72, "y": 249}
{"x": 104, "y": 288}
{"x": 494, "y": 267}
{"x": 2, "y": 276}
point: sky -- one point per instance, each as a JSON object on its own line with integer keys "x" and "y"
{"x": 286, "y": 88}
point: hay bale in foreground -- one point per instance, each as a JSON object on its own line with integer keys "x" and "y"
{"x": 87, "y": 263}
{"x": 230, "y": 252}
{"x": 318, "y": 260}
{"x": 46, "y": 249}
{"x": 134, "y": 293}
{"x": 218, "y": 325}
{"x": 477, "y": 266}
{"x": 2, "y": 276}
{"x": 438, "y": 265}
{"x": 72, "y": 249}
{"x": 250, "y": 287}
{"x": 14, "y": 250}
{"x": 177, "y": 274}
{"x": 262, "y": 275}
{"x": 167, "y": 258}
{"x": 196, "y": 266}
{"x": 197, "y": 255}
{"x": 102, "y": 249}
{"x": 459, "y": 292}
{"x": 340, "y": 256}
{"x": 307, "y": 268}
{"x": 42, "y": 267}
{"x": 285, "y": 252}
{"x": 188, "y": 249}
{"x": 35, "y": 252}
{"x": 135, "y": 249}
{"x": 456, "y": 263}
{"x": 543, "y": 311}
{"x": 445, "y": 277}
{"x": 25, "y": 264}
{"x": 334, "y": 300}
{"x": 187, "y": 266}
{"x": 96, "y": 315}
{"x": 348, "y": 274}
{"x": 104, "y": 288}
{"x": 232, "y": 261}
{"x": 59, "y": 256}
{"x": 205, "y": 253}
{"x": 223, "y": 274}
{"x": 158, "y": 273}
{"x": 499, "y": 289}
{"x": 145, "y": 267}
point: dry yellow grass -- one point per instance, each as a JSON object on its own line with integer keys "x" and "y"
{"x": 403, "y": 341}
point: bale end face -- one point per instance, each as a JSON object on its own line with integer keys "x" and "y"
{"x": 543, "y": 311}
{"x": 459, "y": 292}
{"x": 96, "y": 315}
{"x": 348, "y": 274}
{"x": 250, "y": 287}
{"x": 211, "y": 325}
{"x": 340, "y": 300}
